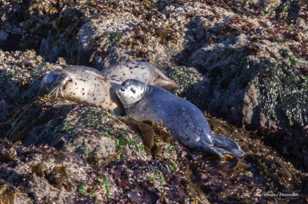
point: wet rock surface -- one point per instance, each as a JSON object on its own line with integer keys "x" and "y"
{"x": 243, "y": 61}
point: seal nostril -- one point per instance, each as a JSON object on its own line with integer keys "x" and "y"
{"x": 122, "y": 89}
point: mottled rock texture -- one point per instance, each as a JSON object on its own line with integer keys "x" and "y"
{"x": 243, "y": 61}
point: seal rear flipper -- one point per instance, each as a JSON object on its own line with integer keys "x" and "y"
{"x": 212, "y": 150}
{"x": 226, "y": 145}
{"x": 168, "y": 84}
{"x": 164, "y": 81}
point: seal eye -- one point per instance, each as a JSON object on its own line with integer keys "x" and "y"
{"x": 51, "y": 78}
{"x": 132, "y": 90}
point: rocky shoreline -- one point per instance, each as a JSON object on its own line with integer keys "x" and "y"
{"x": 244, "y": 63}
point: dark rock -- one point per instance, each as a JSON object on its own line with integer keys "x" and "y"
{"x": 3, "y": 110}
{"x": 250, "y": 82}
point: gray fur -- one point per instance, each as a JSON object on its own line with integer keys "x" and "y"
{"x": 184, "y": 120}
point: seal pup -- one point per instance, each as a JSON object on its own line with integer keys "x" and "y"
{"x": 184, "y": 120}
{"x": 80, "y": 84}
{"x": 141, "y": 71}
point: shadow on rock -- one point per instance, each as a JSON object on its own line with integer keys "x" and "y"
{"x": 212, "y": 51}
{"x": 49, "y": 27}
{"x": 9, "y": 95}
{"x": 13, "y": 178}
{"x": 20, "y": 74}
{"x": 250, "y": 82}
{"x": 34, "y": 124}
{"x": 292, "y": 8}
{"x": 11, "y": 99}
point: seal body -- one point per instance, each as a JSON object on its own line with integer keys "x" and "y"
{"x": 141, "y": 71}
{"x": 87, "y": 85}
{"x": 81, "y": 84}
{"x": 183, "y": 119}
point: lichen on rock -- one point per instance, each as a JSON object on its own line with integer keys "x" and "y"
{"x": 244, "y": 61}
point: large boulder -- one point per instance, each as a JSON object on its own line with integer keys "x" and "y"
{"x": 254, "y": 77}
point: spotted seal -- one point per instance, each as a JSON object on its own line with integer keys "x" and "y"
{"x": 87, "y": 85}
{"x": 184, "y": 120}
{"x": 141, "y": 71}
{"x": 81, "y": 84}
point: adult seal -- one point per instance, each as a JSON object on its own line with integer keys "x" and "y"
{"x": 84, "y": 84}
{"x": 184, "y": 120}
{"x": 80, "y": 84}
{"x": 141, "y": 71}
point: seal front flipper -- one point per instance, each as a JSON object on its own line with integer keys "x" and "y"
{"x": 146, "y": 130}
{"x": 227, "y": 146}
{"x": 148, "y": 135}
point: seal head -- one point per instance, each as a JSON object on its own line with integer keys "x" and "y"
{"x": 130, "y": 92}
{"x": 51, "y": 80}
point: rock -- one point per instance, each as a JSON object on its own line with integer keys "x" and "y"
{"x": 18, "y": 70}
{"x": 186, "y": 77}
{"x": 109, "y": 29}
{"x": 134, "y": 34}
{"x": 3, "y": 110}
{"x": 250, "y": 82}
{"x": 3, "y": 36}
{"x": 254, "y": 83}
{"x": 243, "y": 60}
{"x": 11, "y": 195}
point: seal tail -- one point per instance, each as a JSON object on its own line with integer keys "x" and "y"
{"x": 224, "y": 145}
